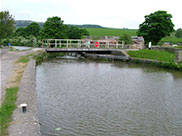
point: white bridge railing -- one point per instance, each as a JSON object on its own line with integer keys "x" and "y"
{"x": 81, "y": 43}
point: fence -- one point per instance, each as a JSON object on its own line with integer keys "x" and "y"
{"x": 77, "y": 43}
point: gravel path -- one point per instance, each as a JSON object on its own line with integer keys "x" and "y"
{"x": 26, "y": 124}
{"x": 7, "y": 67}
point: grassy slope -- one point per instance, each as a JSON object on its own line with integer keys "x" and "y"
{"x": 110, "y": 31}
{"x": 153, "y": 55}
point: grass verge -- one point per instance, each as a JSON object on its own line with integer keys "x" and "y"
{"x": 162, "y": 56}
{"x": 8, "y": 105}
{"x": 164, "y": 59}
{"x": 7, "y": 108}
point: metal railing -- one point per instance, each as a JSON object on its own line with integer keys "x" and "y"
{"x": 78, "y": 43}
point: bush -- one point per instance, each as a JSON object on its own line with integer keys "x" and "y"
{"x": 126, "y": 38}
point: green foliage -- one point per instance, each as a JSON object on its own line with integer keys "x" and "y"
{"x": 74, "y": 33}
{"x": 25, "y": 59}
{"x": 163, "y": 56}
{"x": 7, "y": 108}
{"x": 6, "y": 24}
{"x": 126, "y": 38}
{"x": 172, "y": 40}
{"x": 110, "y": 32}
{"x": 20, "y": 32}
{"x": 178, "y": 33}
{"x": 23, "y": 41}
{"x": 33, "y": 29}
{"x": 84, "y": 31}
{"x": 156, "y": 26}
{"x": 54, "y": 28}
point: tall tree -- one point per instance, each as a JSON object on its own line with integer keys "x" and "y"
{"x": 74, "y": 33}
{"x": 156, "y": 26}
{"x": 33, "y": 29}
{"x": 6, "y": 24}
{"x": 20, "y": 31}
{"x": 178, "y": 33}
{"x": 54, "y": 28}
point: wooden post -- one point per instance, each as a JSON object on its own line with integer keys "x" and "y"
{"x": 117, "y": 45}
{"x": 55, "y": 43}
{"x": 108, "y": 44}
{"x": 66, "y": 43}
{"x": 60, "y": 43}
{"x": 122, "y": 44}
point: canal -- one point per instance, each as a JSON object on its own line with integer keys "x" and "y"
{"x": 90, "y": 98}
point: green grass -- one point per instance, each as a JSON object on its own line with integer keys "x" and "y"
{"x": 110, "y": 31}
{"x": 7, "y": 108}
{"x": 11, "y": 49}
{"x": 25, "y": 59}
{"x": 162, "y": 56}
{"x": 172, "y": 40}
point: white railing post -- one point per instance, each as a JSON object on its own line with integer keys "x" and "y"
{"x": 60, "y": 43}
{"x": 66, "y": 43}
{"x": 55, "y": 43}
{"x": 117, "y": 45}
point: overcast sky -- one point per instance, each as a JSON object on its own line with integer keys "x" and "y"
{"x": 108, "y": 13}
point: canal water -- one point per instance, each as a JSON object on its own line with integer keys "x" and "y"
{"x": 90, "y": 98}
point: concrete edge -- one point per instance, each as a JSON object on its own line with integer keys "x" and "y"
{"x": 26, "y": 124}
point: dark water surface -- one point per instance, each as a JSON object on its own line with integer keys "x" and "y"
{"x": 81, "y": 98}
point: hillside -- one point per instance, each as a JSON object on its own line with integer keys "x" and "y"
{"x": 94, "y": 30}
{"x": 24, "y": 23}
{"x": 111, "y": 31}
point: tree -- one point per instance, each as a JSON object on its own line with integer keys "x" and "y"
{"x": 20, "y": 31}
{"x": 84, "y": 32}
{"x": 178, "y": 33}
{"x": 156, "y": 26}
{"x": 126, "y": 38}
{"x": 74, "y": 33}
{"x": 6, "y": 24}
{"x": 33, "y": 29}
{"x": 54, "y": 28}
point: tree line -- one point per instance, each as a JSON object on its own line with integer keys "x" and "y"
{"x": 156, "y": 26}
{"x": 53, "y": 28}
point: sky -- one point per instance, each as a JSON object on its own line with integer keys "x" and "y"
{"x": 107, "y": 13}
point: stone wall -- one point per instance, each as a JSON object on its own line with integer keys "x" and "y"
{"x": 178, "y": 56}
{"x": 169, "y": 49}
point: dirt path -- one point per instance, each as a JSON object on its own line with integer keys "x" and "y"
{"x": 7, "y": 67}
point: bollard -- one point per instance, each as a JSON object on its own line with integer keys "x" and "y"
{"x": 23, "y": 107}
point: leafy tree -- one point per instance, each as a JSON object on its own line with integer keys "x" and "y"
{"x": 74, "y": 33}
{"x": 20, "y": 32}
{"x": 178, "y": 33}
{"x": 156, "y": 26}
{"x": 33, "y": 29}
{"x": 6, "y": 24}
{"x": 126, "y": 38}
{"x": 54, "y": 28}
{"x": 84, "y": 32}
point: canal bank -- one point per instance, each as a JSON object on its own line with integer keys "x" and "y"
{"x": 26, "y": 124}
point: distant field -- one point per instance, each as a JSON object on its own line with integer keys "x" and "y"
{"x": 110, "y": 32}
{"x": 172, "y": 40}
